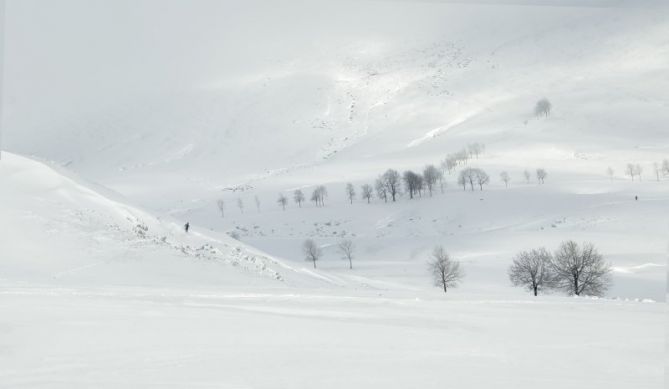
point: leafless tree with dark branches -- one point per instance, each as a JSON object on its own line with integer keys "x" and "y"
{"x": 391, "y": 181}
{"x": 298, "y": 197}
{"x": 543, "y": 107}
{"x": 221, "y": 207}
{"x": 346, "y": 248}
{"x": 446, "y": 272}
{"x": 532, "y": 270}
{"x": 580, "y": 270}
{"x": 311, "y": 251}
{"x": 282, "y": 200}
{"x": 367, "y": 192}
{"x": 430, "y": 176}
{"x": 350, "y": 192}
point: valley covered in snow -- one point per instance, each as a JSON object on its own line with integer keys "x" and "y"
{"x": 216, "y": 113}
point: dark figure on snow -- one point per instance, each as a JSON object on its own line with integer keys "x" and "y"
{"x": 636, "y": 197}
{"x": 186, "y": 226}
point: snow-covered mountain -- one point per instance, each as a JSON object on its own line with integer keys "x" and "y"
{"x": 327, "y": 109}
{"x": 124, "y": 120}
{"x": 96, "y": 292}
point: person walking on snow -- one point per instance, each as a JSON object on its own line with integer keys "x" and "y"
{"x": 186, "y": 226}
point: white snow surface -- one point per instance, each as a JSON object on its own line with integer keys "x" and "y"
{"x": 110, "y": 152}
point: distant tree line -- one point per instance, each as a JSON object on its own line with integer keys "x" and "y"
{"x": 392, "y": 184}
{"x": 660, "y": 170}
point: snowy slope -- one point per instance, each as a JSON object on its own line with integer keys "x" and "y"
{"x": 402, "y": 91}
{"x": 90, "y": 298}
{"x": 357, "y": 95}
{"x": 58, "y": 231}
{"x": 192, "y": 102}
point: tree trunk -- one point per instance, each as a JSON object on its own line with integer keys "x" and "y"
{"x": 350, "y": 263}
{"x": 314, "y": 262}
{"x": 535, "y": 290}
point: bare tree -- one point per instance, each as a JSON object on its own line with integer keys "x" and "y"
{"x": 541, "y": 175}
{"x": 391, "y": 180}
{"x": 505, "y": 177}
{"x": 657, "y": 170}
{"x": 298, "y": 197}
{"x": 532, "y": 270}
{"x": 257, "y": 200}
{"x": 311, "y": 251}
{"x": 481, "y": 177}
{"x": 466, "y": 177}
{"x": 527, "y": 176}
{"x": 580, "y": 271}
{"x": 543, "y": 107}
{"x": 610, "y": 172}
{"x": 412, "y": 182}
{"x": 442, "y": 182}
{"x": 462, "y": 156}
{"x": 446, "y": 272}
{"x": 315, "y": 197}
{"x": 346, "y": 248}
{"x": 367, "y": 192}
{"x": 221, "y": 207}
{"x": 475, "y": 149}
{"x": 240, "y": 204}
{"x": 630, "y": 170}
{"x": 282, "y": 200}
{"x": 350, "y": 192}
{"x": 449, "y": 164}
{"x": 318, "y": 195}
{"x": 430, "y": 176}
{"x": 420, "y": 185}
{"x": 381, "y": 190}
{"x": 665, "y": 167}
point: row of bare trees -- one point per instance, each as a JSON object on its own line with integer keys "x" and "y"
{"x": 462, "y": 157}
{"x": 573, "y": 268}
{"x": 390, "y": 185}
{"x": 313, "y": 252}
{"x": 634, "y": 170}
{"x": 576, "y": 270}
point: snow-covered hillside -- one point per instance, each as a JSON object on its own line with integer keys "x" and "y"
{"x": 124, "y": 120}
{"x": 95, "y": 292}
{"x": 398, "y": 96}
{"x": 58, "y": 231}
{"x": 400, "y": 93}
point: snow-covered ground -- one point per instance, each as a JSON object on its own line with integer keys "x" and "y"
{"x": 231, "y": 339}
{"x": 111, "y": 152}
